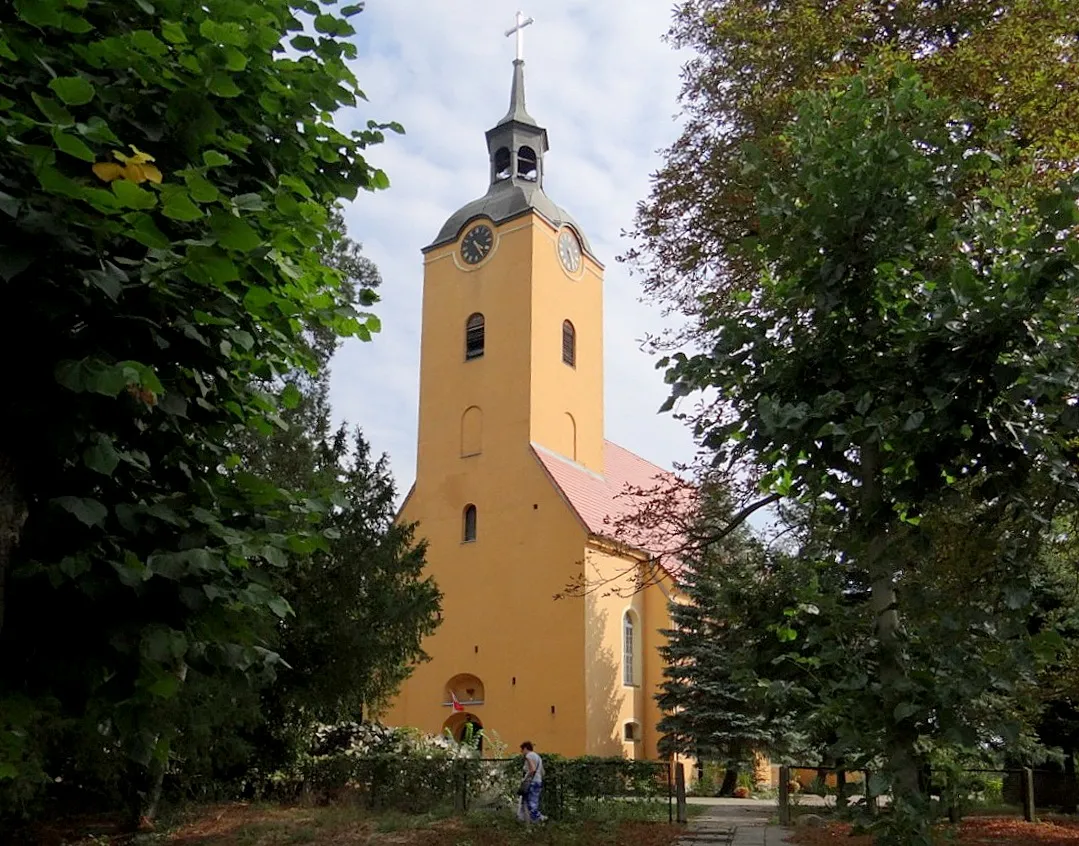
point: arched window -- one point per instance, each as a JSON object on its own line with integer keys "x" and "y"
{"x": 474, "y": 336}
{"x": 527, "y": 167}
{"x": 629, "y": 650}
{"x": 569, "y": 344}
{"x": 502, "y": 164}
{"x": 469, "y": 533}
{"x": 631, "y": 731}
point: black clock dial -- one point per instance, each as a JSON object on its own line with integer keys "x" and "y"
{"x": 569, "y": 251}
{"x": 477, "y": 244}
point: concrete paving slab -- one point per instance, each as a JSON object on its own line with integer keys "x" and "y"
{"x": 734, "y": 822}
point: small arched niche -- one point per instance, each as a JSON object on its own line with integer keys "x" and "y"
{"x": 465, "y": 728}
{"x": 527, "y": 165}
{"x": 467, "y": 688}
{"x": 569, "y": 436}
{"x": 471, "y": 431}
{"x": 502, "y": 165}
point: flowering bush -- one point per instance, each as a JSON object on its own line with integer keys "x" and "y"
{"x": 400, "y": 768}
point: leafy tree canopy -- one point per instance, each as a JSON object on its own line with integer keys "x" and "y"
{"x": 166, "y": 167}
{"x": 905, "y": 340}
{"x": 749, "y": 60}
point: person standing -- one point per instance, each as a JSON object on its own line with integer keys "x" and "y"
{"x": 531, "y": 785}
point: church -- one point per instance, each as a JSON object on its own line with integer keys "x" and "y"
{"x": 516, "y": 489}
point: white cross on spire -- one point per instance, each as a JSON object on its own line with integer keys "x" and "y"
{"x": 518, "y": 30}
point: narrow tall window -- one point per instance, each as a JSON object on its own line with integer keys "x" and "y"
{"x": 628, "y": 650}
{"x": 474, "y": 337}
{"x": 569, "y": 344}
{"x": 527, "y": 166}
{"x": 502, "y": 164}
{"x": 470, "y": 523}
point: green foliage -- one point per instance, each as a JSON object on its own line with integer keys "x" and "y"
{"x": 748, "y": 60}
{"x": 361, "y": 605}
{"x": 165, "y": 171}
{"x": 714, "y": 710}
{"x": 594, "y": 777}
{"x": 880, "y": 367}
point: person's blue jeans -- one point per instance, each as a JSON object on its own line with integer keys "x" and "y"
{"x": 532, "y": 800}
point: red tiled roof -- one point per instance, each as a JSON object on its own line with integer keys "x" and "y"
{"x": 605, "y": 503}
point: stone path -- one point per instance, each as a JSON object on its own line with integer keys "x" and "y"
{"x": 733, "y": 822}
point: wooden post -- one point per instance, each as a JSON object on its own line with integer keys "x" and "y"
{"x": 784, "y": 795}
{"x": 680, "y": 791}
{"x": 1028, "y": 795}
{"x": 841, "y": 787}
{"x": 870, "y": 797}
{"x": 670, "y": 788}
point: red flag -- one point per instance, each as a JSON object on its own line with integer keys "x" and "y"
{"x": 457, "y": 706}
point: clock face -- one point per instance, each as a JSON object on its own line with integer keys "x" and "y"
{"x": 477, "y": 244}
{"x": 569, "y": 251}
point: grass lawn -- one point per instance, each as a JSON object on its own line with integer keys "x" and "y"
{"x": 983, "y": 831}
{"x": 241, "y": 824}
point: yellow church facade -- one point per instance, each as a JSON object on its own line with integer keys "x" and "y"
{"x": 516, "y": 487}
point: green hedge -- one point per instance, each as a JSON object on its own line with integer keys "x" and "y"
{"x": 424, "y": 784}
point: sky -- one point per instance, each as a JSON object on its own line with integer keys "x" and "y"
{"x": 601, "y": 80}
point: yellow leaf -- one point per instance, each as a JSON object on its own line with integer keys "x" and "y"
{"x": 152, "y": 173}
{"x": 133, "y": 172}
{"x": 107, "y": 171}
{"x": 140, "y": 157}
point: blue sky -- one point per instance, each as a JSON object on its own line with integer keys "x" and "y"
{"x": 603, "y": 83}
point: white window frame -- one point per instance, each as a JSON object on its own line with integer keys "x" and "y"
{"x": 630, "y": 642}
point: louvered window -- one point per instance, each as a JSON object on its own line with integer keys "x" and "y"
{"x": 569, "y": 344}
{"x": 470, "y": 524}
{"x": 474, "y": 337}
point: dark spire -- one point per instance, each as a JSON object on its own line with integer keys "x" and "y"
{"x": 517, "y": 110}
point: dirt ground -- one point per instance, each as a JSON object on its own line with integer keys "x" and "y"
{"x": 240, "y": 824}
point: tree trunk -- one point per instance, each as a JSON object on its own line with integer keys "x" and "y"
{"x": 12, "y": 516}
{"x": 900, "y": 733}
{"x": 730, "y": 781}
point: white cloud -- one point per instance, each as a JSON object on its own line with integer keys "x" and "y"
{"x": 601, "y": 80}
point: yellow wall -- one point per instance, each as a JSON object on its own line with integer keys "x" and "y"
{"x": 559, "y": 390}
{"x": 500, "y": 621}
{"x": 611, "y": 703}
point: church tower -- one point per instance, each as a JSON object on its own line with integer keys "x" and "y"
{"x": 512, "y": 339}
{"x": 515, "y": 484}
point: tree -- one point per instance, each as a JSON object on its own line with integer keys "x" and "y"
{"x": 362, "y": 606}
{"x": 165, "y": 170}
{"x": 715, "y": 707}
{"x": 761, "y": 636}
{"x": 751, "y": 58}
{"x": 888, "y": 353}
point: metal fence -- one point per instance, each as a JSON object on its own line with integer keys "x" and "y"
{"x": 422, "y": 785}
{"x": 963, "y": 793}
